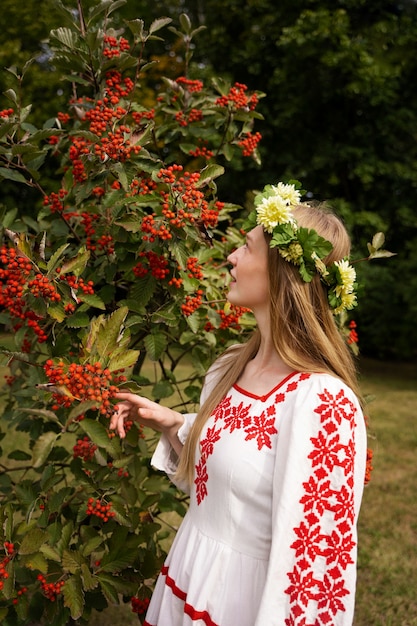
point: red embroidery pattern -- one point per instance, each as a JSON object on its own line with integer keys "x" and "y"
{"x": 188, "y": 608}
{"x": 256, "y": 427}
{"x": 328, "y": 457}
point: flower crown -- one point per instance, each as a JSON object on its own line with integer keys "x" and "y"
{"x": 303, "y": 247}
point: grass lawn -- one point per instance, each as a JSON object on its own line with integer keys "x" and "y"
{"x": 387, "y": 579}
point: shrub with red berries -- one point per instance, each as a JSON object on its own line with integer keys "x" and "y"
{"x": 114, "y": 279}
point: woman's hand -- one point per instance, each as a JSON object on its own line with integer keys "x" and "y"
{"x": 148, "y": 413}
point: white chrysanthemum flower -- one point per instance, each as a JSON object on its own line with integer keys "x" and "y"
{"x": 273, "y": 211}
{"x": 347, "y": 276}
{"x": 288, "y": 193}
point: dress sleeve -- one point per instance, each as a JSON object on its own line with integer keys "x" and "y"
{"x": 318, "y": 484}
{"x": 164, "y": 457}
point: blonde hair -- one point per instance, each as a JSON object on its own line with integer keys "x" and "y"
{"x": 304, "y": 331}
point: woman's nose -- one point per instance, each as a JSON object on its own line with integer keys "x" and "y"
{"x": 232, "y": 257}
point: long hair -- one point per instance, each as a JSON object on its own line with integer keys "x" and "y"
{"x": 304, "y": 331}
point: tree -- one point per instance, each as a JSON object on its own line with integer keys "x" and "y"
{"x": 107, "y": 270}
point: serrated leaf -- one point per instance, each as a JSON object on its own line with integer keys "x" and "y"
{"x": 74, "y": 596}
{"x": 11, "y": 174}
{"x": 98, "y": 434}
{"x": 209, "y": 173}
{"x": 42, "y": 448}
{"x": 89, "y": 581}
{"x": 49, "y": 416}
{"x": 121, "y": 359}
{"x": 92, "y": 544}
{"x": 32, "y": 541}
{"x": 55, "y": 258}
{"x": 50, "y": 553}
{"x": 71, "y": 561}
{"x": 158, "y": 24}
{"x": 110, "y": 331}
{"x": 65, "y": 537}
{"x": 108, "y": 589}
{"x": 180, "y": 252}
{"x": 36, "y": 561}
{"x": 78, "y": 264}
{"x": 56, "y": 311}
{"x": 78, "y": 320}
{"x": 155, "y": 344}
{"x": 92, "y": 300}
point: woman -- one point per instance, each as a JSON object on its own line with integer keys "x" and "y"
{"x": 275, "y": 459}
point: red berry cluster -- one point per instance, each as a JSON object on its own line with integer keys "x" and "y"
{"x": 353, "y": 335}
{"x": 194, "y": 115}
{"x": 78, "y": 283}
{"x": 13, "y": 280}
{"x": 142, "y": 186}
{"x": 5, "y": 113}
{"x": 138, "y": 116}
{"x": 84, "y": 448}
{"x": 115, "y": 46}
{"x": 83, "y": 382}
{"x": 9, "y": 550}
{"x": 64, "y": 118}
{"x": 193, "y": 268}
{"x": 158, "y": 265}
{"x": 139, "y": 605}
{"x": 210, "y": 215}
{"x": 193, "y": 86}
{"x": 229, "y": 320}
{"x": 237, "y": 98}
{"x": 202, "y": 151}
{"x": 50, "y": 590}
{"x": 249, "y": 143}
{"x": 42, "y": 287}
{"x": 100, "y": 509}
{"x": 192, "y": 303}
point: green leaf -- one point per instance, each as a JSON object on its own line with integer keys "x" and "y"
{"x": 36, "y": 561}
{"x": 162, "y": 389}
{"x": 78, "y": 320}
{"x": 74, "y": 596}
{"x": 209, "y": 173}
{"x": 19, "y": 455}
{"x": 158, "y": 24}
{"x": 92, "y": 300}
{"x": 49, "y": 416}
{"x": 72, "y": 560}
{"x": 109, "y": 331}
{"x": 78, "y": 264}
{"x": 55, "y": 258}
{"x": 122, "y": 358}
{"x": 89, "y": 581}
{"x": 11, "y": 174}
{"x": 32, "y": 541}
{"x": 98, "y": 434}
{"x": 42, "y": 448}
{"x": 155, "y": 344}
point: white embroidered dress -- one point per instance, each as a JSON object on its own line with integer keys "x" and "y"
{"x": 270, "y": 535}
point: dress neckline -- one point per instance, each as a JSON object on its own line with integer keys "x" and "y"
{"x": 267, "y": 395}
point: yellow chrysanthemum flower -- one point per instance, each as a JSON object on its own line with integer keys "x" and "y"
{"x": 273, "y": 211}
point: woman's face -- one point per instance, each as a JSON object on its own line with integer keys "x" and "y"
{"x": 250, "y": 284}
